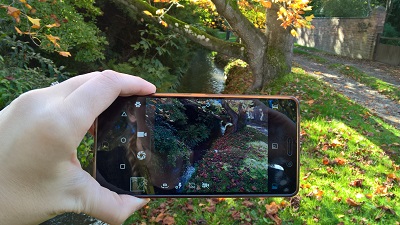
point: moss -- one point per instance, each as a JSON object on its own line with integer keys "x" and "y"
{"x": 277, "y": 60}
{"x": 239, "y": 77}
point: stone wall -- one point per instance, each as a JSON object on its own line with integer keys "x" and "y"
{"x": 351, "y": 37}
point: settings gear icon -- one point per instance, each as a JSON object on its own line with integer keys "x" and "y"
{"x": 141, "y": 155}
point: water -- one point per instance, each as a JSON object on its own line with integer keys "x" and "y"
{"x": 203, "y": 76}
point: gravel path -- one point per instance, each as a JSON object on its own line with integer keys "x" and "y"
{"x": 378, "y": 104}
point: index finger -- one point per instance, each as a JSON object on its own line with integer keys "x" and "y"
{"x": 96, "y": 94}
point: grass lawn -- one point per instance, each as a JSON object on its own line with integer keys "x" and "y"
{"x": 350, "y": 171}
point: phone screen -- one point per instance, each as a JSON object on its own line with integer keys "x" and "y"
{"x": 192, "y": 146}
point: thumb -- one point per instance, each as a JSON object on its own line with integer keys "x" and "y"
{"x": 110, "y": 207}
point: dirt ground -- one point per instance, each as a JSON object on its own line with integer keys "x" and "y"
{"x": 378, "y": 104}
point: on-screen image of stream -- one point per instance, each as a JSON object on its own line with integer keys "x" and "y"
{"x": 214, "y": 146}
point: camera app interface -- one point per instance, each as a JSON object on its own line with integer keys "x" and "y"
{"x": 185, "y": 146}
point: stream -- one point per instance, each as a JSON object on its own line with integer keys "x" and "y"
{"x": 203, "y": 76}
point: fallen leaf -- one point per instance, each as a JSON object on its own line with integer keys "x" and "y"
{"x": 160, "y": 217}
{"x": 339, "y": 161}
{"x": 310, "y": 102}
{"x": 356, "y": 183}
{"x": 382, "y": 189}
{"x": 337, "y": 199}
{"x": 210, "y": 208}
{"x": 272, "y": 210}
{"x": 306, "y": 176}
{"x": 336, "y": 143}
{"x": 247, "y": 203}
{"x": 316, "y": 193}
{"x": 330, "y": 170}
{"x": 168, "y": 220}
{"x": 325, "y": 161}
{"x": 235, "y": 215}
{"x": 351, "y": 202}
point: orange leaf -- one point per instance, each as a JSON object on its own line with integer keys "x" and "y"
{"x": 53, "y": 39}
{"x": 160, "y": 217}
{"x": 65, "y": 54}
{"x": 52, "y": 25}
{"x": 272, "y": 208}
{"x": 310, "y": 102}
{"x": 14, "y": 12}
{"x": 168, "y": 220}
{"x": 266, "y": 4}
{"x": 325, "y": 161}
{"x": 383, "y": 189}
{"x": 35, "y": 22}
{"x": 356, "y": 183}
{"x": 339, "y": 161}
{"x": 18, "y": 30}
{"x": 164, "y": 23}
{"x": 351, "y": 202}
{"x": 318, "y": 194}
{"x": 330, "y": 170}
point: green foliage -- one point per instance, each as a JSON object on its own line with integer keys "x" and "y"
{"x": 84, "y": 151}
{"x": 155, "y": 51}
{"x": 393, "y": 16}
{"x": 22, "y": 69}
{"x": 194, "y": 134}
{"x": 169, "y": 144}
{"x": 390, "y": 31}
{"x": 340, "y": 8}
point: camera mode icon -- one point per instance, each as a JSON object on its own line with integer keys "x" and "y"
{"x": 141, "y": 134}
{"x": 141, "y": 155}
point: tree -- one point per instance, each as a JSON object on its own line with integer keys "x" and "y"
{"x": 267, "y": 52}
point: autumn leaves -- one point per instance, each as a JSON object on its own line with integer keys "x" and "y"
{"x": 35, "y": 31}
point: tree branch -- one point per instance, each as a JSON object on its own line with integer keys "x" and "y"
{"x": 245, "y": 29}
{"x": 235, "y": 50}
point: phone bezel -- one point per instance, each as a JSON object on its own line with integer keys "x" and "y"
{"x": 225, "y": 96}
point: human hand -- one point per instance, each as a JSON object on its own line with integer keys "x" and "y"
{"x": 40, "y": 175}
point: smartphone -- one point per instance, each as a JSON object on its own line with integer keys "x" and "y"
{"x": 199, "y": 145}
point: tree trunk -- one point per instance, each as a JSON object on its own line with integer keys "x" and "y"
{"x": 279, "y": 50}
